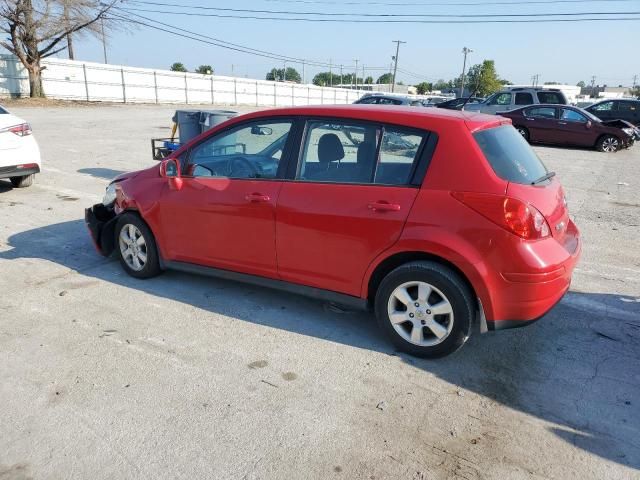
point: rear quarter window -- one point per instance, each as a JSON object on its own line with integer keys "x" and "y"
{"x": 509, "y": 155}
{"x": 551, "y": 97}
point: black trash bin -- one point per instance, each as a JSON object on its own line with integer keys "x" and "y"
{"x": 192, "y": 123}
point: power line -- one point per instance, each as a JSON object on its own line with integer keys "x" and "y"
{"x": 417, "y": 4}
{"x": 335, "y": 20}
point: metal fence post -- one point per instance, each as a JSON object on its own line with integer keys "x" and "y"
{"x": 211, "y": 89}
{"x": 257, "y": 100}
{"x": 321, "y": 95}
{"x": 275, "y": 94}
{"x": 86, "y": 85}
{"x": 235, "y": 91}
{"x": 186, "y": 90}
{"x": 335, "y": 96}
{"x": 155, "y": 85}
{"x": 293, "y": 95}
{"x": 308, "y": 95}
{"x": 124, "y": 89}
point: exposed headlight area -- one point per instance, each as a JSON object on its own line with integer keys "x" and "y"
{"x": 628, "y": 131}
{"x": 109, "y": 194}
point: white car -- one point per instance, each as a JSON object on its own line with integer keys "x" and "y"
{"x": 19, "y": 152}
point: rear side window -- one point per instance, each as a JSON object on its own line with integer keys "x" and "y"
{"x": 551, "y": 97}
{"x": 509, "y": 155}
{"x": 628, "y": 106}
{"x": 541, "y": 112}
{"x": 524, "y": 98}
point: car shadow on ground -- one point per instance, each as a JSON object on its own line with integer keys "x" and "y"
{"x": 106, "y": 173}
{"x": 576, "y": 370}
{"x": 5, "y": 186}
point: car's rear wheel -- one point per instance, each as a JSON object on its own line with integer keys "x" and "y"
{"x": 524, "y": 132}
{"x": 608, "y": 144}
{"x": 425, "y": 308}
{"x": 136, "y": 247}
{"x": 22, "y": 182}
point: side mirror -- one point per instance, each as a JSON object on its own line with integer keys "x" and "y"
{"x": 170, "y": 169}
{"x": 589, "y": 124}
{"x": 256, "y": 130}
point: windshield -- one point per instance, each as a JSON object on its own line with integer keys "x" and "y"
{"x": 2, "y": 110}
{"x": 509, "y": 155}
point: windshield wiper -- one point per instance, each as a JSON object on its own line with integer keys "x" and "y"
{"x": 546, "y": 176}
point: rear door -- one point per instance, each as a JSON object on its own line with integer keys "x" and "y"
{"x": 605, "y": 110}
{"x": 348, "y": 200}
{"x": 542, "y": 124}
{"x": 629, "y": 110}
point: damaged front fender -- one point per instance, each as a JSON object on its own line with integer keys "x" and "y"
{"x": 101, "y": 223}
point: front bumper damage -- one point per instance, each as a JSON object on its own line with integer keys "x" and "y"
{"x": 101, "y": 223}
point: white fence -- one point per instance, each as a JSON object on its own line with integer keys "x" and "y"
{"x": 74, "y": 80}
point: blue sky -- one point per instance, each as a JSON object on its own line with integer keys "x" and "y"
{"x": 565, "y": 52}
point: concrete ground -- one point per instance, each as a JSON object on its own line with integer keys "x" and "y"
{"x": 103, "y": 376}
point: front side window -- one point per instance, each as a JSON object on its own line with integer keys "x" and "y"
{"x": 603, "y": 107}
{"x": 524, "y": 98}
{"x": 541, "y": 112}
{"x": 572, "y": 116}
{"x": 353, "y": 152}
{"x": 249, "y": 151}
{"x": 551, "y": 97}
{"x": 501, "y": 99}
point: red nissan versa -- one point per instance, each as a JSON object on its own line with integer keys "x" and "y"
{"x": 433, "y": 218}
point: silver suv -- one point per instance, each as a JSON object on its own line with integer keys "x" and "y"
{"x": 510, "y": 99}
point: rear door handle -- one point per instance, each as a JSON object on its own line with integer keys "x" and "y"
{"x": 383, "y": 206}
{"x": 562, "y": 123}
{"x": 257, "y": 197}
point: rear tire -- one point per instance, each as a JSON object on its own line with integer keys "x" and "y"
{"x": 524, "y": 132}
{"x": 136, "y": 247}
{"x": 22, "y": 182}
{"x": 425, "y": 309}
{"x": 608, "y": 144}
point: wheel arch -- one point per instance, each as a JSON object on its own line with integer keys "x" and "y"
{"x": 604, "y": 135}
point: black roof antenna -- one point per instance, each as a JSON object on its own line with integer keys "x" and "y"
{"x": 474, "y": 90}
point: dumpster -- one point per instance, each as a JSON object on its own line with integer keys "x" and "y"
{"x": 188, "y": 124}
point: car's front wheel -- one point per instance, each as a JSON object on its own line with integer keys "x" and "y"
{"x": 608, "y": 143}
{"x": 22, "y": 182}
{"x": 425, "y": 308}
{"x": 136, "y": 247}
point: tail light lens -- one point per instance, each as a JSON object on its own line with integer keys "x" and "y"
{"x": 21, "y": 130}
{"x": 518, "y": 217}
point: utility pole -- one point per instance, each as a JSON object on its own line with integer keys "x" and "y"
{"x": 340, "y": 74}
{"x": 635, "y": 80}
{"x": 363, "y": 77}
{"x": 104, "y": 39}
{"x": 395, "y": 65}
{"x": 303, "y": 72}
{"x": 330, "y": 74}
{"x": 65, "y": 14}
{"x": 284, "y": 72}
{"x": 465, "y": 52}
{"x": 356, "y": 74}
{"x": 593, "y": 82}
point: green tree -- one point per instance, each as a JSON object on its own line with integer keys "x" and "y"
{"x": 279, "y": 74}
{"x": 205, "y": 69}
{"x": 178, "y": 67}
{"x": 368, "y": 80}
{"x": 484, "y": 79}
{"x": 581, "y": 84}
{"x": 385, "y": 78}
{"x": 442, "y": 85}
{"x": 424, "y": 87}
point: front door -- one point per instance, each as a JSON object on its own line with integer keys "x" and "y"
{"x": 575, "y": 128}
{"x": 224, "y": 214}
{"x": 348, "y": 203}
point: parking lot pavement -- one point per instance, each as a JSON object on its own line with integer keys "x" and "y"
{"x": 104, "y": 376}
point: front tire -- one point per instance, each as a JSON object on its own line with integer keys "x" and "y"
{"x": 136, "y": 247}
{"x": 22, "y": 182}
{"x": 425, "y": 309}
{"x": 608, "y": 144}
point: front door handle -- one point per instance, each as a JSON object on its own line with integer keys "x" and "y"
{"x": 257, "y": 198}
{"x": 562, "y": 123}
{"x": 383, "y": 206}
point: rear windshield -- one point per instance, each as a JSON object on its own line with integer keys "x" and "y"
{"x": 2, "y": 110}
{"x": 510, "y": 155}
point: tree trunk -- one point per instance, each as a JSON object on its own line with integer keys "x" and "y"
{"x": 70, "y": 46}
{"x": 35, "y": 82}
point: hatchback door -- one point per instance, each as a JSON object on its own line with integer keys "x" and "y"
{"x": 224, "y": 214}
{"x": 353, "y": 190}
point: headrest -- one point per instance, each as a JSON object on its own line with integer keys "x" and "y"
{"x": 330, "y": 148}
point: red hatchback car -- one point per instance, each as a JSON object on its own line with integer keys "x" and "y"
{"x": 435, "y": 219}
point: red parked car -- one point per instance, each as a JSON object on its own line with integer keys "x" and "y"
{"x": 567, "y": 125}
{"x": 435, "y": 219}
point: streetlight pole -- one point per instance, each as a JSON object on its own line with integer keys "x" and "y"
{"x": 465, "y": 52}
{"x": 330, "y": 74}
{"x": 395, "y": 65}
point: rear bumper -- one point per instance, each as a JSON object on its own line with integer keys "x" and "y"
{"x": 523, "y": 298}
{"x": 101, "y": 222}
{"x": 19, "y": 170}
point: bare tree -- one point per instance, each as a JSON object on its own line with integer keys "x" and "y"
{"x": 36, "y": 29}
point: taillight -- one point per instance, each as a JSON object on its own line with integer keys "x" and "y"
{"x": 21, "y": 130}
{"x": 518, "y": 217}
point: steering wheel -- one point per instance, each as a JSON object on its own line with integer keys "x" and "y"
{"x": 240, "y": 167}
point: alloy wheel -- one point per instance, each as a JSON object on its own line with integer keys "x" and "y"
{"x": 610, "y": 144}
{"x": 420, "y": 313}
{"x": 133, "y": 247}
